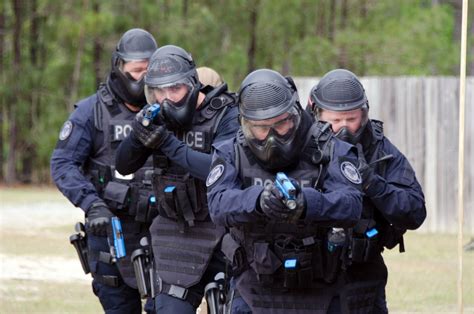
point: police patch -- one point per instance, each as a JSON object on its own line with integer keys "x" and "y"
{"x": 66, "y": 130}
{"x": 214, "y": 175}
{"x": 350, "y": 172}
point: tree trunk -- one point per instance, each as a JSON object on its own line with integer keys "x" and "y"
{"x": 363, "y": 16}
{"x": 252, "y": 50}
{"x": 286, "y": 68}
{"x": 185, "y": 11}
{"x": 97, "y": 50}
{"x": 343, "y": 62}
{"x": 76, "y": 75}
{"x": 28, "y": 147}
{"x": 321, "y": 19}
{"x": 332, "y": 20}
{"x": 11, "y": 175}
{"x": 2, "y": 82}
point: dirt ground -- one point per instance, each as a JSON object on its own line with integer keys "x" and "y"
{"x": 25, "y": 219}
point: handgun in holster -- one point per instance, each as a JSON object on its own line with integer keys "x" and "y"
{"x": 142, "y": 260}
{"x": 117, "y": 249}
{"x": 216, "y": 294}
{"x": 79, "y": 241}
{"x": 287, "y": 189}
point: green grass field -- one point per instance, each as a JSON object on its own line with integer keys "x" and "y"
{"x": 421, "y": 280}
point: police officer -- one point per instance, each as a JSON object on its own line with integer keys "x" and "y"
{"x": 393, "y": 200}
{"x": 278, "y": 244}
{"x": 82, "y": 166}
{"x": 184, "y": 240}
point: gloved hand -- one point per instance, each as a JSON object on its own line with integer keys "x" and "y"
{"x": 366, "y": 171}
{"x": 151, "y": 136}
{"x": 98, "y": 217}
{"x": 272, "y": 203}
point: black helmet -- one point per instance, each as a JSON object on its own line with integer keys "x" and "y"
{"x": 135, "y": 45}
{"x": 172, "y": 65}
{"x": 341, "y": 90}
{"x": 265, "y": 94}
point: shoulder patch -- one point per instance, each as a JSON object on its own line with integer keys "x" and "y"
{"x": 350, "y": 172}
{"x": 215, "y": 174}
{"x": 66, "y": 130}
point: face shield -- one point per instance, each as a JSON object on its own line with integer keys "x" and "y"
{"x": 178, "y": 101}
{"x": 281, "y": 127}
{"x": 276, "y": 141}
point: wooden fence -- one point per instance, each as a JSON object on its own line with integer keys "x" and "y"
{"x": 421, "y": 117}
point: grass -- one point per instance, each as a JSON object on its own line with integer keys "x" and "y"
{"x": 421, "y": 280}
{"x": 424, "y": 278}
{"x": 30, "y": 296}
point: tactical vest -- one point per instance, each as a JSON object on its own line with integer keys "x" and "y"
{"x": 265, "y": 282}
{"x": 129, "y": 197}
{"x": 183, "y": 236}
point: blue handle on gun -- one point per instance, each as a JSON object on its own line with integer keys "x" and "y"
{"x": 119, "y": 243}
{"x": 150, "y": 114}
{"x": 287, "y": 189}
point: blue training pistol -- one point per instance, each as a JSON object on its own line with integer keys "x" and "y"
{"x": 150, "y": 114}
{"x": 119, "y": 243}
{"x": 287, "y": 189}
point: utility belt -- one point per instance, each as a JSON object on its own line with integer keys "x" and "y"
{"x": 287, "y": 262}
{"x": 181, "y": 198}
{"x": 126, "y": 195}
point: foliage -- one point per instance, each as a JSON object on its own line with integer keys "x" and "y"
{"x": 59, "y": 43}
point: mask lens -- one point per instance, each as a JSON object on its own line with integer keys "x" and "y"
{"x": 282, "y": 127}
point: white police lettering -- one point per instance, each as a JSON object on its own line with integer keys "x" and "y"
{"x": 350, "y": 172}
{"x": 214, "y": 175}
{"x": 121, "y": 131}
{"x": 193, "y": 139}
{"x": 66, "y": 130}
{"x": 262, "y": 182}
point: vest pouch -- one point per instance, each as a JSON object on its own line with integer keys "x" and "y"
{"x": 317, "y": 261}
{"x": 372, "y": 249}
{"x": 116, "y": 195}
{"x": 358, "y": 249}
{"x": 177, "y": 197}
{"x": 234, "y": 253}
{"x": 146, "y": 206}
{"x": 332, "y": 264}
{"x": 265, "y": 262}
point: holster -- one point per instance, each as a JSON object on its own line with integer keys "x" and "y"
{"x": 215, "y": 293}
{"x": 143, "y": 267}
{"x": 79, "y": 241}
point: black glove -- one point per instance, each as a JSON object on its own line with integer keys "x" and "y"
{"x": 366, "y": 171}
{"x": 272, "y": 203}
{"x": 151, "y": 136}
{"x": 98, "y": 217}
